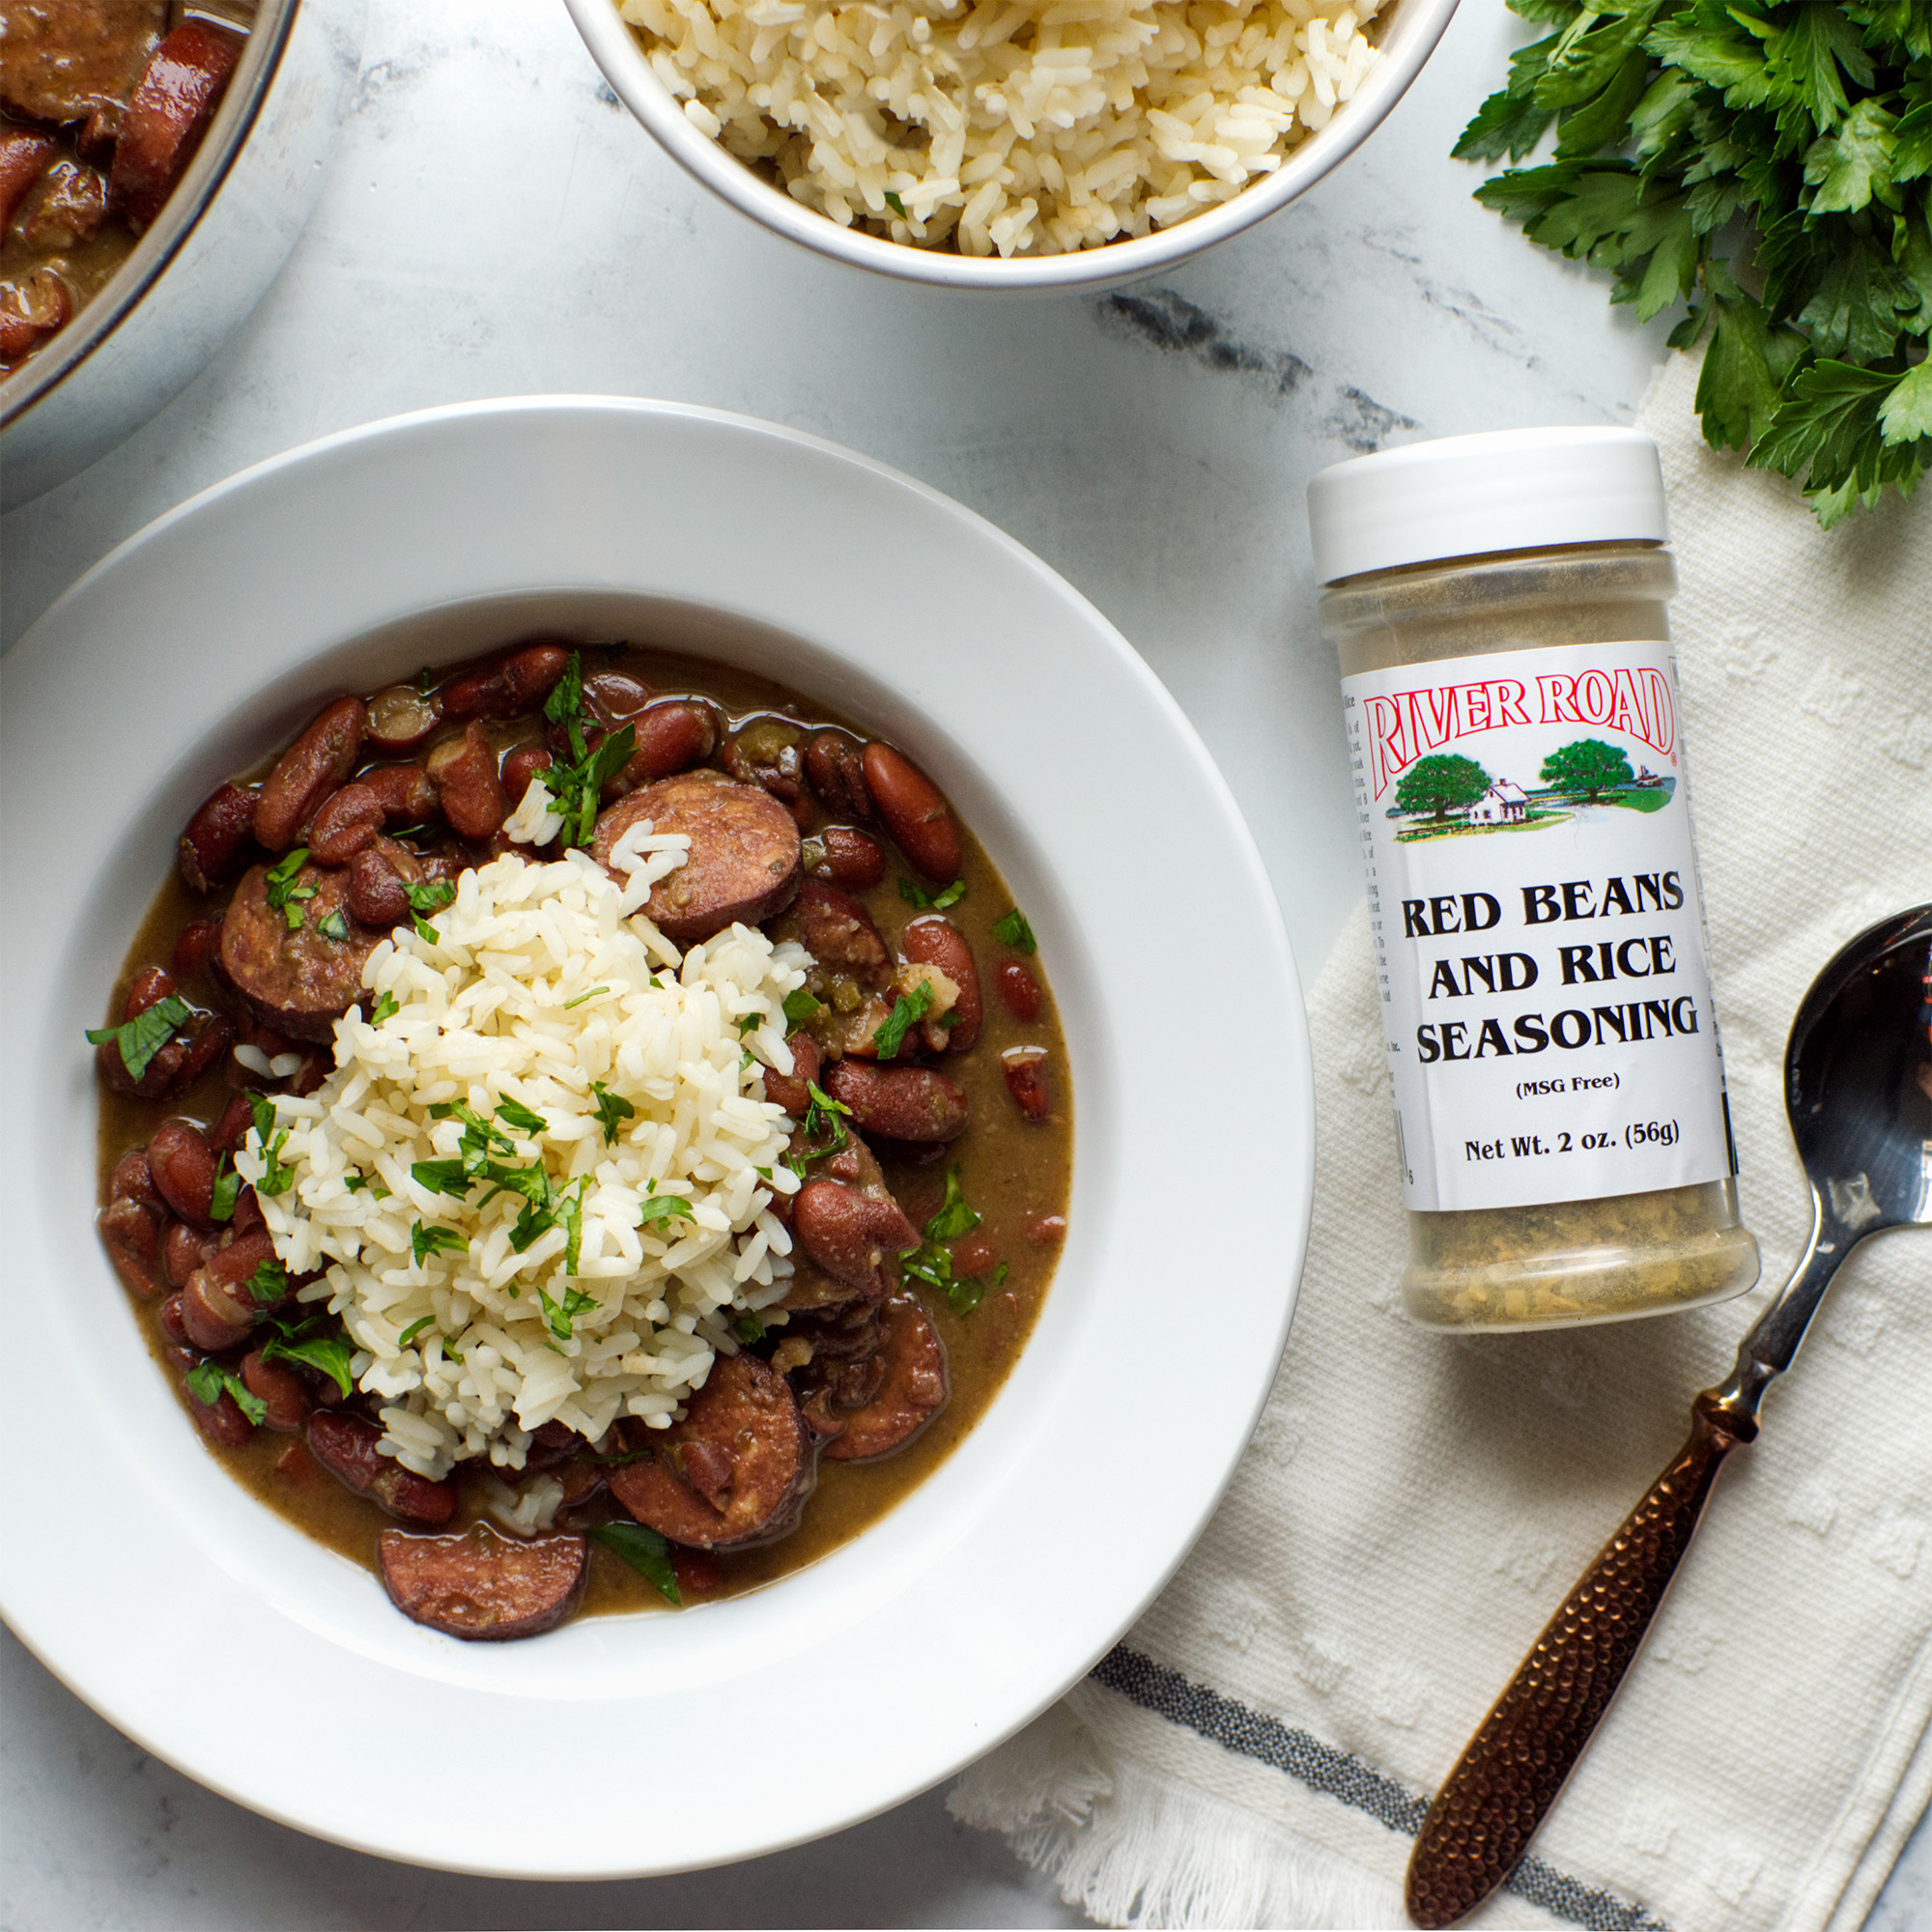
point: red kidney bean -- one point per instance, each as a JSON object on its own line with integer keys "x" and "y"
{"x": 231, "y": 1130}
{"x": 180, "y": 1063}
{"x": 854, "y": 1237}
{"x": 162, "y": 126}
{"x": 789, "y": 1089}
{"x": 131, "y": 1232}
{"x": 853, "y": 859}
{"x": 192, "y": 949}
{"x": 1025, "y": 1068}
{"x": 613, "y": 696}
{"x": 1018, "y": 989}
{"x": 672, "y": 737}
{"x": 149, "y": 987}
{"x": 171, "y": 1320}
{"x": 407, "y": 796}
{"x": 217, "y": 1307}
{"x": 309, "y": 771}
{"x": 401, "y": 717}
{"x": 696, "y": 1570}
{"x": 914, "y": 811}
{"x": 247, "y": 1216}
{"x": 933, "y": 940}
{"x": 24, "y": 156}
{"x": 524, "y": 763}
{"x": 377, "y": 895}
{"x": 215, "y": 846}
{"x": 183, "y": 1165}
{"x": 1046, "y": 1231}
{"x": 836, "y": 766}
{"x": 514, "y": 684}
{"x": 183, "y": 1249}
{"x": 346, "y": 1445}
{"x": 133, "y": 1180}
{"x": 221, "y": 1420}
{"x": 975, "y": 1255}
{"x": 283, "y": 1393}
{"x": 347, "y": 822}
{"x": 466, "y": 781}
{"x": 904, "y": 1103}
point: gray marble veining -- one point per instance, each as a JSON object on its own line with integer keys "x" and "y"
{"x": 495, "y": 223}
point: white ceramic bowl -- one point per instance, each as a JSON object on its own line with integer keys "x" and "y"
{"x": 276, "y": 1671}
{"x": 1408, "y": 33}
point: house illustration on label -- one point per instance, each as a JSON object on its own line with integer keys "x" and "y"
{"x": 1503, "y": 803}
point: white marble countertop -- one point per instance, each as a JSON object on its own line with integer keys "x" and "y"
{"x": 496, "y": 224}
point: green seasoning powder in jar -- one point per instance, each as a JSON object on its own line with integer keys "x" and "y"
{"x": 1500, "y": 607}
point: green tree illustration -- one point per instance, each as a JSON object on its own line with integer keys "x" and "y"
{"x": 1439, "y": 784}
{"x": 1590, "y": 767}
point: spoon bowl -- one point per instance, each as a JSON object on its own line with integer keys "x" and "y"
{"x": 1857, "y": 1088}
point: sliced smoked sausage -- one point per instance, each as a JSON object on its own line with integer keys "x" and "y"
{"x": 167, "y": 117}
{"x": 481, "y": 1586}
{"x": 911, "y": 1392}
{"x": 745, "y": 857}
{"x": 300, "y": 981}
{"x": 307, "y": 772}
{"x": 735, "y": 1469}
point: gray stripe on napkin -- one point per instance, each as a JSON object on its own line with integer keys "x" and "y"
{"x": 1340, "y": 1775}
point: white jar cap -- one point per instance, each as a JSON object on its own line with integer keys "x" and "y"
{"x": 1470, "y": 496}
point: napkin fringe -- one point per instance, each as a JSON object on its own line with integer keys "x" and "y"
{"x": 1133, "y": 1847}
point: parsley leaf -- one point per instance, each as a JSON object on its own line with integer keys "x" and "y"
{"x": 915, "y": 895}
{"x": 270, "y": 1283}
{"x": 327, "y": 1352}
{"x": 382, "y": 1009}
{"x": 426, "y": 900}
{"x": 520, "y": 1117}
{"x": 1796, "y": 128}
{"x": 333, "y": 925}
{"x": 444, "y": 1177}
{"x": 663, "y": 1208}
{"x": 612, "y": 1111}
{"x": 207, "y": 1381}
{"x": 414, "y": 1329}
{"x": 907, "y": 1011}
{"x": 145, "y": 1034}
{"x": 1013, "y": 930}
{"x": 645, "y": 1552}
{"x": 282, "y": 892}
{"x": 559, "y": 1315}
{"x": 225, "y": 1193}
{"x": 955, "y": 1217}
{"x": 800, "y": 1008}
{"x": 581, "y": 997}
{"x": 897, "y": 206}
{"x": 426, "y": 1240}
{"x": 749, "y": 1330}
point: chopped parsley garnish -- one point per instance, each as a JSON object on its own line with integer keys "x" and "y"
{"x": 933, "y": 1265}
{"x": 897, "y": 206}
{"x": 270, "y": 1283}
{"x": 384, "y": 1008}
{"x": 205, "y": 1382}
{"x": 425, "y": 681}
{"x": 283, "y": 893}
{"x": 645, "y": 1552}
{"x": 749, "y": 1330}
{"x": 520, "y": 1117}
{"x": 276, "y": 1177}
{"x": 330, "y": 1353}
{"x": 333, "y": 925}
{"x": 581, "y": 997}
{"x": 821, "y": 1117}
{"x": 561, "y": 1315}
{"x": 800, "y": 1008}
{"x": 145, "y": 1034}
{"x": 356, "y": 1182}
{"x": 426, "y": 1240}
{"x": 747, "y": 1022}
{"x": 565, "y": 704}
{"x": 663, "y": 1208}
{"x": 955, "y": 1217}
{"x": 917, "y": 896}
{"x": 612, "y": 1111}
{"x": 1013, "y": 930}
{"x": 226, "y": 1191}
{"x": 424, "y": 901}
{"x": 907, "y": 1011}
{"x": 414, "y": 1329}
{"x": 576, "y": 789}
{"x": 444, "y": 1177}
{"x": 623, "y": 1457}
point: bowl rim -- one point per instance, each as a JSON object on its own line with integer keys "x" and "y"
{"x": 153, "y": 253}
{"x": 1414, "y": 29}
{"x": 603, "y": 497}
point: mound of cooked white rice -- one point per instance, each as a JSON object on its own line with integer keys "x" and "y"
{"x": 480, "y": 1174}
{"x": 1021, "y": 127}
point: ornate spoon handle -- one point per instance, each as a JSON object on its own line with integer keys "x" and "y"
{"x": 1508, "y": 1778}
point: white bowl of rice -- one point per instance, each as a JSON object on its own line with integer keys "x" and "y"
{"x": 1014, "y": 144}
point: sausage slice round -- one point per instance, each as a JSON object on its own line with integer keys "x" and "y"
{"x": 481, "y": 1586}
{"x": 745, "y": 861}
{"x": 911, "y": 1393}
{"x": 300, "y": 981}
{"x": 736, "y": 1470}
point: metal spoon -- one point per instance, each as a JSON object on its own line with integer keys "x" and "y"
{"x": 1857, "y": 1085}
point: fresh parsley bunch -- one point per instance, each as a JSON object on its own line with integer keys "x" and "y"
{"x": 1795, "y": 133}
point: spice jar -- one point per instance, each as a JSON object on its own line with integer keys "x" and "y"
{"x": 1500, "y": 607}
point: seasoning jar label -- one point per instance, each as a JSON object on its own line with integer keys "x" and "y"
{"x": 1538, "y": 928}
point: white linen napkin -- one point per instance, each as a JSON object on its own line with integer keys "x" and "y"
{"x": 1259, "y": 1748}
